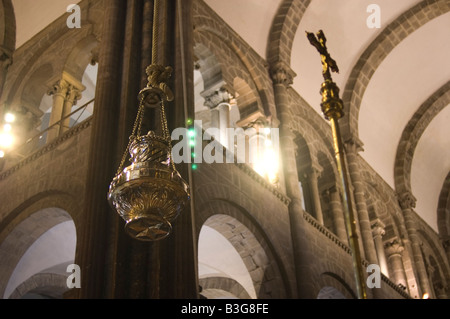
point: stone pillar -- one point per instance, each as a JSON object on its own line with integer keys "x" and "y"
{"x": 72, "y": 96}
{"x": 219, "y": 102}
{"x": 313, "y": 178}
{"x": 352, "y": 147}
{"x": 66, "y": 92}
{"x": 338, "y": 214}
{"x": 93, "y": 244}
{"x": 407, "y": 202}
{"x": 378, "y": 232}
{"x": 5, "y": 62}
{"x": 394, "y": 251}
{"x": 224, "y": 123}
{"x": 446, "y": 245}
{"x": 282, "y": 77}
{"x": 59, "y": 92}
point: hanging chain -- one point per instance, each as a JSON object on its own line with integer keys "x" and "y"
{"x": 135, "y": 133}
{"x": 166, "y": 134}
{"x": 158, "y": 77}
{"x": 155, "y": 32}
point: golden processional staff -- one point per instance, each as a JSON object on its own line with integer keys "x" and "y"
{"x": 332, "y": 108}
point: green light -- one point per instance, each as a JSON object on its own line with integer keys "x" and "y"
{"x": 194, "y": 166}
{"x": 189, "y": 121}
{"x": 191, "y": 142}
{"x": 193, "y": 154}
{"x": 191, "y": 132}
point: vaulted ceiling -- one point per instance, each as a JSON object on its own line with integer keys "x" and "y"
{"x": 407, "y": 78}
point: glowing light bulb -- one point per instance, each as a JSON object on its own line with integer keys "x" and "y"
{"x": 7, "y": 127}
{"x": 6, "y": 140}
{"x": 2, "y": 154}
{"x": 9, "y": 117}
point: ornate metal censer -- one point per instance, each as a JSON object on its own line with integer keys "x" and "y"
{"x": 150, "y": 193}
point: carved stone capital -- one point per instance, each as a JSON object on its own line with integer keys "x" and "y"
{"x": 446, "y": 242}
{"x": 406, "y": 200}
{"x": 59, "y": 87}
{"x": 281, "y": 73}
{"x": 354, "y": 143}
{"x": 73, "y": 94}
{"x": 378, "y": 228}
{"x": 5, "y": 58}
{"x": 216, "y": 97}
{"x": 393, "y": 247}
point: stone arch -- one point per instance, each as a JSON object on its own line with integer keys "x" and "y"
{"x": 49, "y": 284}
{"x": 227, "y": 69}
{"x": 246, "y": 100}
{"x": 7, "y": 29}
{"x": 208, "y": 65}
{"x": 328, "y": 292}
{"x": 262, "y": 261}
{"x": 331, "y": 279}
{"x": 377, "y": 51}
{"x": 7, "y": 38}
{"x": 438, "y": 255}
{"x": 27, "y": 222}
{"x": 222, "y": 288}
{"x": 83, "y": 54}
{"x": 411, "y": 136}
{"x": 283, "y": 29}
{"x": 245, "y": 61}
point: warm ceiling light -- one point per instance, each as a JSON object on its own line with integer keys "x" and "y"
{"x": 6, "y": 140}
{"x": 425, "y": 296}
{"x": 7, "y": 128}
{"x": 9, "y": 117}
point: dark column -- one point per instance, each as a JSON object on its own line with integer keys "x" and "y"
{"x": 92, "y": 239}
{"x": 114, "y": 265}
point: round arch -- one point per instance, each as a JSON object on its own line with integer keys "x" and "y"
{"x": 27, "y": 223}
{"x": 250, "y": 242}
{"x": 377, "y": 51}
{"x": 411, "y": 135}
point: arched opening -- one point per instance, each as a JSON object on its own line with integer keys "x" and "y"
{"x": 81, "y": 110}
{"x": 303, "y": 167}
{"x": 330, "y": 293}
{"x": 35, "y": 255}
{"x": 232, "y": 260}
{"x": 326, "y": 184}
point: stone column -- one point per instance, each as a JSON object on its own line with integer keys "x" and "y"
{"x": 73, "y": 95}
{"x": 93, "y": 245}
{"x": 407, "y": 202}
{"x": 282, "y": 77}
{"x": 218, "y": 101}
{"x": 446, "y": 245}
{"x": 66, "y": 92}
{"x": 59, "y": 92}
{"x": 338, "y": 214}
{"x": 224, "y": 123}
{"x": 352, "y": 147}
{"x": 5, "y": 62}
{"x": 394, "y": 251}
{"x": 378, "y": 232}
{"x": 313, "y": 177}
